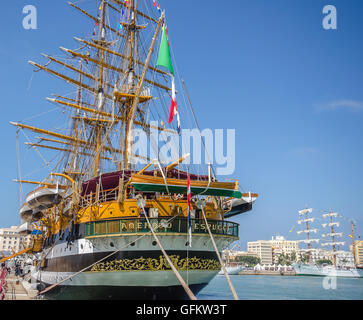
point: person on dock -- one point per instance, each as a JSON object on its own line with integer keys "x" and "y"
{"x": 18, "y": 270}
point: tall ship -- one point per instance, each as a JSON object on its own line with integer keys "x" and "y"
{"x": 108, "y": 221}
{"x": 308, "y": 267}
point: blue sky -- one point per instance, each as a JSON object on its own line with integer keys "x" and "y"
{"x": 291, "y": 89}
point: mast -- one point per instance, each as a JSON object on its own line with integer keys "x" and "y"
{"x": 76, "y": 127}
{"x": 136, "y": 100}
{"x": 102, "y": 39}
{"x": 332, "y": 224}
{"x": 131, "y": 27}
{"x": 304, "y": 214}
{"x": 353, "y": 244}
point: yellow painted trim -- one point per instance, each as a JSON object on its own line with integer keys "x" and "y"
{"x": 160, "y": 234}
{"x": 63, "y": 176}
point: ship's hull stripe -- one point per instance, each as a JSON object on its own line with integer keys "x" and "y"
{"x": 123, "y": 285}
{"x": 132, "y": 260}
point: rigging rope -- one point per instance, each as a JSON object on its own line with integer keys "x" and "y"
{"x": 19, "y": 168}
{"x": 35, "y": 148}
{"x": 219, "y": 257}
{"x": 177, "y": 274}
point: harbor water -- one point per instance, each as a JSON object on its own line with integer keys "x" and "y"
{"x": 259, "y": 287}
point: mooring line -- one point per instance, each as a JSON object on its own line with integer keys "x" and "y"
{"x": 179, "y": 277}
{"x": 219, "y": 257}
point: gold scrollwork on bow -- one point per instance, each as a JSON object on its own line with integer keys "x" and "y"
{"x": 152, "y": 264}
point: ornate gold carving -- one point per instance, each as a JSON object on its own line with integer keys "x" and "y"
{"x": 152, "y": 264}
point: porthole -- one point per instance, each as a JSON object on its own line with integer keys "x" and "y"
{"x": 154, "y": 243}
{"x": 111, "y": 244}
{"x": 132, "y": 244}
{"x": 187, "y": 243}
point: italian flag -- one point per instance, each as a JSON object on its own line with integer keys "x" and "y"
{"x": 164, "y": 60}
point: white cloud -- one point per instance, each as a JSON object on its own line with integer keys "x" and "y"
{"x": 342, "y": 105}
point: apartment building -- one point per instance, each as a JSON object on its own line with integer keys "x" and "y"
{"x": 282, "y": 246}
{"x": 262, "y": 249}
{"x": 12, "y": 241}
{"x": 358, "y": 251}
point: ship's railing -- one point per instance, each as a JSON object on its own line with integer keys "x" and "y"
{"x": 160, "y": 225}
{"x": 104, "y": 196}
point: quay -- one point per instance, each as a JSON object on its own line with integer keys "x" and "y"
{"x": 19, "y": 289}
{"x": 267, "y": 273}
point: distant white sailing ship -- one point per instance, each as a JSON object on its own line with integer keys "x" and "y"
{"x": 312, "y": 269}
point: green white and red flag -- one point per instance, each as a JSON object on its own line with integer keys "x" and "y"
{"x": 164, "y": 60}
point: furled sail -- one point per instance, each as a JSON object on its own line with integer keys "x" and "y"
{"x": 304, "y": 211}
{"x": 308, "y": 241}
{"x": 308, "y": 231}
{"x": 336, "y": 234}
{"x": 341, "y": 243}
{"x": 306, "y": 220}
{"x": 331, "y": 224}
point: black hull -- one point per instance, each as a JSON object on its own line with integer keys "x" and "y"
{"x": 119, "y": 293}
{"x": 236, "y": 210}
{"x": 151, "y": 264}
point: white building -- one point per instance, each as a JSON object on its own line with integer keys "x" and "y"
{"x": 358, "y": 251}
{"x": 345, "y": 258}
{"x": 11, "y": 241}
{"x": 315, "y": 254}
{"x": 262, "y": 249}
{"x": 282, "y": 246}
{"x": 269, "y": 251}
